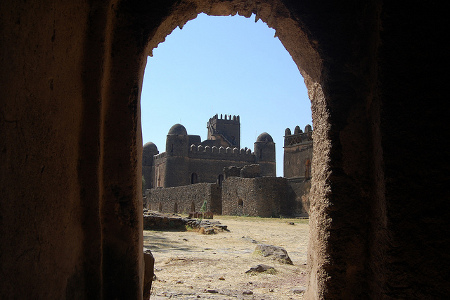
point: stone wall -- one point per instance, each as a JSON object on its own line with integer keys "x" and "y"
{"x": 262, "y": 196}
{"x": 299, "y": 194}
{"x": 184, "y": 199}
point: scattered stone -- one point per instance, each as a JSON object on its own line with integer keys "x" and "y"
{"x": 271, "y": 290}
{"x": 247, "y": 293}
{"x": 260, "y": 269}
{"x": 274, "y": 252}
{"x": 291, "y": 223}
{"x": 212, "y": 291}
{"x": 161, "y": 221}
{"x": 221, "y": 278}
{"x": 179, "y": 282}
{"x": 206, "y": 230}
{"x": 250, "y": 239}
{"x": 298, "y": 291}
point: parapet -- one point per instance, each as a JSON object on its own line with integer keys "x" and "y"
{"x": 299, "y": 137}
{"x": 247, "y": 171}
{"x": 221, "y": 153}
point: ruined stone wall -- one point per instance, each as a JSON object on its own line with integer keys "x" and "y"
{"x": 184, "y": 199}
{"x": 261, "y": 196}
{"x": 298, "y": 160}
{"x": 299, "y": 193}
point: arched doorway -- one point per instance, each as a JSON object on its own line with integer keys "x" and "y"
{"x": 332, "y": 90}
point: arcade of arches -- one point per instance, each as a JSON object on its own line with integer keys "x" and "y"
{"x": 70, "y": 198}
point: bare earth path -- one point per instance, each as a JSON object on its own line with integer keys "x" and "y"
{"x": 190, "y": 265}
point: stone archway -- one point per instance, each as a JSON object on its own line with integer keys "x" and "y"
{"x": 330, "y": 181}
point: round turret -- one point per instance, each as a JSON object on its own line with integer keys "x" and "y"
{"x": 287, "y": 132}
{"x": 177, "y": 129}
{"x": 149, "y": 150}
{"x": 264, "y": 137}
{"x": 308, "y": 128}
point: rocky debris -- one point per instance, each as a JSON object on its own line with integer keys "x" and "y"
{"x": 212, "y": 291}
{"x": 298, "y": 291}
{"x": 247, "y": 293}
{"x": 260, "y": 269}
{"x": 149, "y": 274}
{"x": 275, "y": 252}
{"x": 201, "y": 215}
{"x": 160, "y": 221}
{"x": 250, "y": 239}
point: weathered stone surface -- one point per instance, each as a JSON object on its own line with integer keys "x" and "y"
{"x": 160, "y": 221}
{"x": 260, "y": 268}
{"x": 275, "y": 252}
{"x": 149, "y": 273}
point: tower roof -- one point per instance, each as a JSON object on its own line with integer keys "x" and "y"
{"x": 264, "y": 137}
{"x": 177, "y": 129}
{"x": 150, "y": 147}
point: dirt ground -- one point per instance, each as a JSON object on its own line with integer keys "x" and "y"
{"x": 190, "y": 265}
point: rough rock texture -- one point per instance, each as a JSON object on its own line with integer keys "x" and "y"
{"x": 185, "y": 199}
{"x": 149, "y": 273}
{"x": 70, "y": 146}
{"x": 275, "y": 252}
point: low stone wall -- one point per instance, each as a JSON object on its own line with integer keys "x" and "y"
{"x": 185, "y": 199}
{"x": 262, "y": 196}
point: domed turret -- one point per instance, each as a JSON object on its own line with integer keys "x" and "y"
{"x": 150, "y": 147}
{"x": 149, "y": 151}
{"x": 264, "y": 137}
{"x": 177, "y": 141}
{"x": 265, "y": 154}
{"x": 177, "y": 129}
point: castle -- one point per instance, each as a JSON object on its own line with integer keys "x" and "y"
{"x": 233, "y": 181}
{"x": 188, "y": 160}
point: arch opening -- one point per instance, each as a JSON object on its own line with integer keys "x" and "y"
{"x": 288, "y": 32}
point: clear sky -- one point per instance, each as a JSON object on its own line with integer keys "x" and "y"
{"x": 223, "y": 65}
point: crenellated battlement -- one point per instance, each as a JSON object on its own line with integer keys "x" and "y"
{"x": 221, "y": 153}
{"x": 226, "y": 128}
{"x": 299, "y": 137}
{"x": 225, "y": 117}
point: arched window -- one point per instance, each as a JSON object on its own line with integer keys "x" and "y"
{"x": 175, "y": 208}
{"x": 194, "y": 178}
{"x": 240, "y": 203}
{"x": 160, "y": 207}
{"x": 220, "y": 179}
{"x": 192, "y": 206}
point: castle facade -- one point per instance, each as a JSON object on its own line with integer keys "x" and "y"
{"x": 188, "y": 160}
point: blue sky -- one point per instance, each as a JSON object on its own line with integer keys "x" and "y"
{"x": 223, "y": 65}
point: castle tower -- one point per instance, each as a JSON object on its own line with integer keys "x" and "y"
{"x": 298, "y": 149}
{"x": 149, "y": 151}
{"x": 227, "y": 129}
{"x": 177, "y": 151}
{"x": 265, "y": 154}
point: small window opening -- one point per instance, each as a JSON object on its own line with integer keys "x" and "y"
{"x": 194, "y": 178}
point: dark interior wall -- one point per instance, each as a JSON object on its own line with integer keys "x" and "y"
{"x": 43, "y": 233}
{"x": 412, "y": 81}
